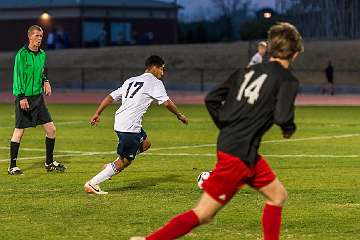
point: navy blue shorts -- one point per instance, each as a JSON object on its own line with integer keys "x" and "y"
{"x": 129, "y": 143}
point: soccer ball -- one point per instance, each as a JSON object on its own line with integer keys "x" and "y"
{"x": 202, "y": 177}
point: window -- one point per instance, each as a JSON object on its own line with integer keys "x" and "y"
{"x": 121, "y": 33}
{"x": 93, "y": 33}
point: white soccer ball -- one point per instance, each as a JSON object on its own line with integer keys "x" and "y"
{"x": 202, "y": 177}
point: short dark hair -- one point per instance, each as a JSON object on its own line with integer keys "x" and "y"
{"x": 284, "y": 41}
{"x": 154, "y": 60}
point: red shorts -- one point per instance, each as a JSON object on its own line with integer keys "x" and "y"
{"x": 230, "y": 174}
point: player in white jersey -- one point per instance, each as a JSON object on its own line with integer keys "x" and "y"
{"x": 258, "y": 57}
{"x": 136, "y": 94}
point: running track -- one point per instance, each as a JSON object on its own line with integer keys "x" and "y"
{"x": 189, "y": 98}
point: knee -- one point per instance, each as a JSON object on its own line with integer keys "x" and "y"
{"x": 280, "y": 198}
{"x": 17, "y": 135}
{"x": 51, "y": 132}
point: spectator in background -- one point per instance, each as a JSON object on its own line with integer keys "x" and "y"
{"x": 50, "y": 41}
{"x": 258, "y": 57}
{"x": 135, "y": 38}
{"x": 102, "y": 38}
{"x": 59, "y": 39}
{"x": 329, "y": 73}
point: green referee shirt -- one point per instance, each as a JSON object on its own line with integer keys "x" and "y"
{"x": 29, "y": 72}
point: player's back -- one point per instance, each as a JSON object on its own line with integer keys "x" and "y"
{"x": 252, "y": 103}
{"x": 137, "y": 93}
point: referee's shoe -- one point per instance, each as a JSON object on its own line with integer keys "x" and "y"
{"x": 55, "y": 166}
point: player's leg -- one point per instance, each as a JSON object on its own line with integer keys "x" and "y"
{"x": 145, "y": 145}
{"x": 127, "y": 149}
{"x": 266, "y": 183}
{"x": 183, "y": 223}
{"x": 219, "y": 188}
{"x": 50, "y": 164}
{"x": 276, "y": 196}
{"x": 107, "y": 173}
{"x": 14, "y": 150}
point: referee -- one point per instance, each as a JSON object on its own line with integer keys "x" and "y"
{"x": 29, "y": 82}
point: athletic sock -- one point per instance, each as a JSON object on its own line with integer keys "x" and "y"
{"x": 14, "y": 150}
{"x": 50, "y": 144}
{"x": 176, "y": 227}
{"x": 105, "y": 174}
{"x": 271, "y": 222}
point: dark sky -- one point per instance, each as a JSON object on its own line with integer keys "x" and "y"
{"x": 194, "y": 9}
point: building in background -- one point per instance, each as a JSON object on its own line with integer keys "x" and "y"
{"x": 90, "y": 23}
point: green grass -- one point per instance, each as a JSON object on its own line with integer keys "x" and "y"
{"x": 324, "y": 196}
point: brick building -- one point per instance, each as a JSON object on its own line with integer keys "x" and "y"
{"x": 89, "y": 23}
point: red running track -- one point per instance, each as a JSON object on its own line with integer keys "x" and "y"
{"x": 189, "y": 98}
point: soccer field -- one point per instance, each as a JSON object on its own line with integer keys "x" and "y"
{"x": 320, "y": 167}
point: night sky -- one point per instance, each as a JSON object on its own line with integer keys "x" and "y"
{"x": 195, "y": 9}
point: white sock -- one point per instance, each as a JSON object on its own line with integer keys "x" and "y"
{"x": 104, "y": 175}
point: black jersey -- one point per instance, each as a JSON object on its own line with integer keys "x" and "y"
{"x": 247, "y": 105}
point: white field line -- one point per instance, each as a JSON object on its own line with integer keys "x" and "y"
{"x": 196, "y": 146}
{"x": 55, "y": 156}
{"x": 56, "y": 124}
{"x": 195, "y": 155}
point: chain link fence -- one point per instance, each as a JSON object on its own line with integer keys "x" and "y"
{"x": 178, "y": 79}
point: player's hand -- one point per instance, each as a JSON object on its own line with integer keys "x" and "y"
{"x": 24, "y": 104}
{"x": 94, "y": 120}
{"x": 287, "y": 135}
{"x": 47, "y": 88}
{"x": 288, "y": 131}
{"x": 183, "y": 118}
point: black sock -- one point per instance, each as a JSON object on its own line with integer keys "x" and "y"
{"x": 14, "y": 149}
{"x": 50, "y": 143}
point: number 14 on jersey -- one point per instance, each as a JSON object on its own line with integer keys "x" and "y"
{"x": 251, "y": 92}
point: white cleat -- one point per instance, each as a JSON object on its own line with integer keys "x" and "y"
{"x": 138, "y": 238}
{"x": 93, "y": 189}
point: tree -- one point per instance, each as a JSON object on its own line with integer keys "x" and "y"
{"x": 227, "y": 10}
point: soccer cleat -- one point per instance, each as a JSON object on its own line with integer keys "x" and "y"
{"x": 55, "y": 166}
{"x": 94, "y": 189}
{"x": 15, "y": 171}
{"x": 138, "y": 238}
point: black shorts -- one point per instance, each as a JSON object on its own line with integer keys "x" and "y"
{"x": 129, "y": 143}
{"x": 37, "y": 114}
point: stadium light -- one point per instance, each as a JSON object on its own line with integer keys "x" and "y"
{"x": 45, "y": 16}
{"x": 267, "y": 15}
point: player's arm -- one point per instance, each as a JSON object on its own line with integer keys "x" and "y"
{"x": 104, "y": 103}
{"x": 46, "y": 83}
{"x": 19, "y": 83}
{"x": 170, "y": 105}
{"x": 284, "y": 110}
{"x": 214, "y": 100}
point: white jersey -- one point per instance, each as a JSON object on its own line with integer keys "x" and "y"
{"x": 257, "y": 58}
{"x": 136, "y": 95}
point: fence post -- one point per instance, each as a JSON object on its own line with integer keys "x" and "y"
{"x": 82, "y": 82}
{"x": 202, "y": 87}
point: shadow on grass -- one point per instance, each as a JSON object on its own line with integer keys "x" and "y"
{"x": 38, "y": 165}
{"x": 149, "y": 182}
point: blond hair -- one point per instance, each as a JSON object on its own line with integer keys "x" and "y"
{"x": 284, "y": 40}
{"x": 34, "y": 27}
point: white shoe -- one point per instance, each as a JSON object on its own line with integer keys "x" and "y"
{"x": 15, "y": 171}
{"x": 138, "y": 238}
{"x": 93, "y": 189}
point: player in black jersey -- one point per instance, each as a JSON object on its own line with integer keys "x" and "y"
{"x": 244, "y": 108}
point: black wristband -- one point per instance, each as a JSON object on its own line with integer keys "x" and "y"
{"x": 21, "y": 96}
